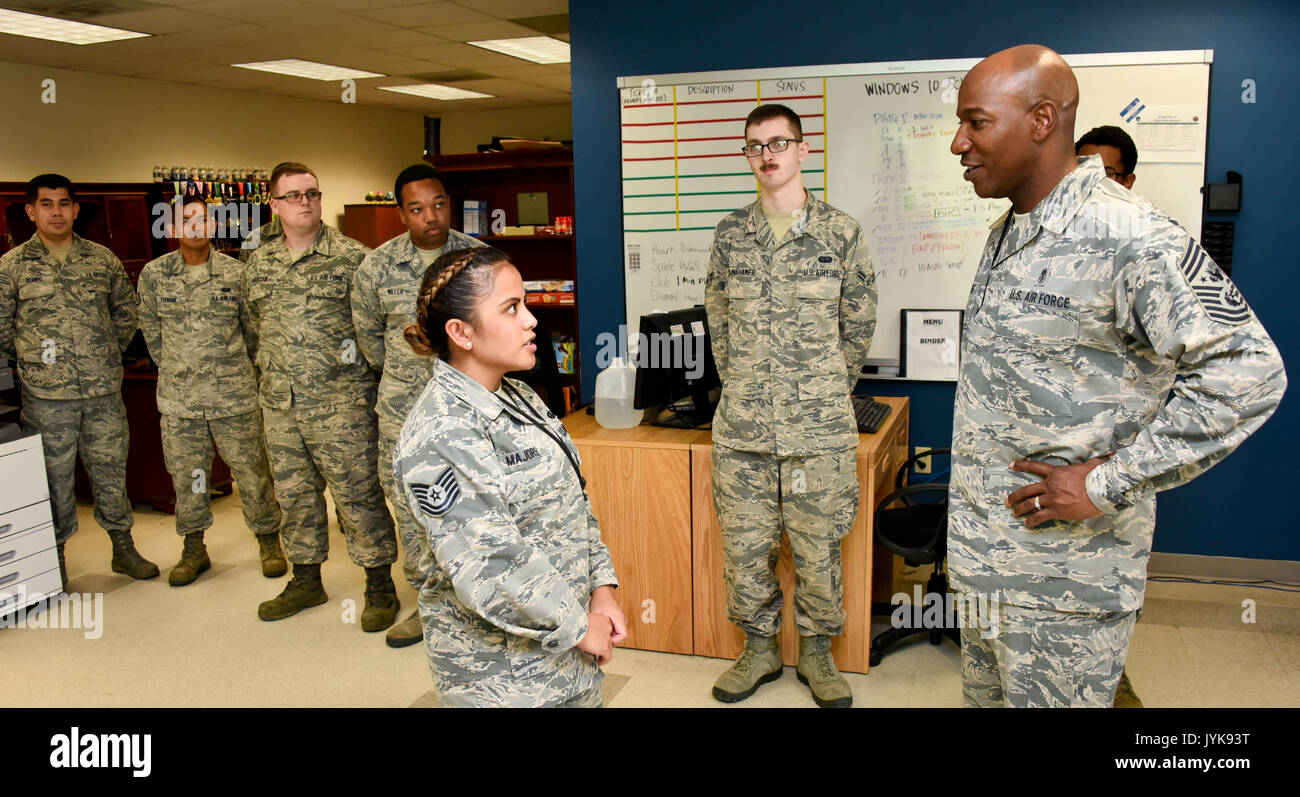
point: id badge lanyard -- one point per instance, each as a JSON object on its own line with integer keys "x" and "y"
{"x": 525, "y": 409}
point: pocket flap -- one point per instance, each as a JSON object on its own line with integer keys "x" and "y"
{"x": 824, "y": 387}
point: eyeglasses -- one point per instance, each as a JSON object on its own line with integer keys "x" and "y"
{"x": 774, "y": 146}
{"x": 296, "y": 198}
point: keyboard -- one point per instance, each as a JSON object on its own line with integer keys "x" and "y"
{"x": 870, "y": 413}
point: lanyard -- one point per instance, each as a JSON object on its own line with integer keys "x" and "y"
{"x": 525, "y": 409}
{"x": 1006, "y": 225}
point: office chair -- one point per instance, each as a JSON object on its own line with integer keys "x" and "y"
{"x": 918, "y": 532}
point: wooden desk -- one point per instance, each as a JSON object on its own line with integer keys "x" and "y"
{"x": 639, "y": 481}
{"x": 651, "y": 489}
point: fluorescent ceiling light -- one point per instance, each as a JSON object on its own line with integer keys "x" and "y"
{"x": 436, "y": 92}
{"x": 60, "y": 30}
{"x": 538, "y": 49}
{"x": 309, "y": 69}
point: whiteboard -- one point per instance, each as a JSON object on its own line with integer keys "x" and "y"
{"x": 879, "y": 137}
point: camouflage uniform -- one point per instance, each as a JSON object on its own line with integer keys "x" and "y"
{"x": 260, "y": 237}
{"x": 1098, "y": 306}
{"x": 383, "y": 303}
{"x": 317, "y": 395}
{"x": 67, "y": 325}
{"x": 513, "y": 551}
{"x": 196, "y": 325}
{"x": 791, "y": 323}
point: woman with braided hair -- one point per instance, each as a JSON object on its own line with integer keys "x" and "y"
{"x": 518, "y": 601}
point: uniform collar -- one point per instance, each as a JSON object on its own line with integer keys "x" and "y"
{"x": 472, "y": 393}
{"x": 814, "y": 211}
{"x": 323, "y": 244}
{"x": 484, "y": 401}
{"x": 35, "y": 248}
{"x": 1055, "y": 212}
{"x": 174, "y": 263}
{"x": 1059, "y": 207}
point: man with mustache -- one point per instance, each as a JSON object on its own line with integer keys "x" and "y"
{"x": 791, "y": 301}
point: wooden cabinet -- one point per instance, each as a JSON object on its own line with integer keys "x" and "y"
{"x": 498, "y": 178}
{"x": 639, "y": 481}
{"x": 372, "y": 224}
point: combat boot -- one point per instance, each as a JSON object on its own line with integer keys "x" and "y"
{"x": 1125, "y": 697}
{"x": 273, "y": 561}
{"x": 381, "y": 600}
{"x": 194, "y": 560}
{"x": 63, "y": 567}
{"x": 126, "y": 559}
{"x": 758, "y": 664}
{"x": 407, "y": 632}
{"x": 817, "y": 670}
{"x": 303, "y": 591}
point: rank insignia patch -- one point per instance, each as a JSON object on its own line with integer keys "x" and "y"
{"x": 1218, "y": 296}
{"x": 437, "y": 498}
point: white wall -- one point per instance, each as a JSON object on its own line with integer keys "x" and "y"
{"x": 104, "y": 128}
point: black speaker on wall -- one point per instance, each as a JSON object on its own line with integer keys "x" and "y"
{"x": 432, "y": 128}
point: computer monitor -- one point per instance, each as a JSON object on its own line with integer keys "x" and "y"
{"x": 675, "y": 368}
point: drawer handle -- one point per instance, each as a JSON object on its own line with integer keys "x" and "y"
{"x": 10, "y": 599}
{"x": 6, "y": 528}
{"x": 7, "y": 555}
{"x": 11, "y": 577}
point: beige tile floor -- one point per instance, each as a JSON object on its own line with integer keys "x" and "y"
{"x": 202, "y": 645}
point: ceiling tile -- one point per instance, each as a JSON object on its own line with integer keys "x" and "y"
{"x": 379, "y": 40}
{"x": 425, "y": 15}
{"x": 158, "y": 20}
{"x": 514, "y": 9}
{"x": 518, "y": 72}
{"x": 480, "y": 31}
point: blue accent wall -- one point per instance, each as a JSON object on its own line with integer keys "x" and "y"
{"x": 1241, "y": 507}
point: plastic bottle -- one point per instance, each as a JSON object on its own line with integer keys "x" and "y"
{"x": 615, "y": 387}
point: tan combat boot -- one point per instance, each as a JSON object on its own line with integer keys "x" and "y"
{"x": 758, "y": 664}
{"x": 194, "y": 560}
{"x": 1125, "y": 697}
{"x": 303, "y": 591}
{"x": 126, "y": 559}
{"x": 407, "y": 632}
{"x": 381, "y": 600}
{"x": 272, "y": 555}
{"x": 817, "y": 670}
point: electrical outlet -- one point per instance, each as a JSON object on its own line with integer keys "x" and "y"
{"x": 922, "y": 465}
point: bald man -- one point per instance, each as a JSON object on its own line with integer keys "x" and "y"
{"x": 1104, "y": 358}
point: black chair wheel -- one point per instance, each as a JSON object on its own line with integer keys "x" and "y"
{"x": 875, "y": 657}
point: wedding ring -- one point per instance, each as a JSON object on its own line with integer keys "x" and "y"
{"x": 1037, "y": 505}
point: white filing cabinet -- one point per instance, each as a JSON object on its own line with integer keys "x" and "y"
{"x": 29, "y": 558}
